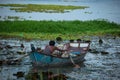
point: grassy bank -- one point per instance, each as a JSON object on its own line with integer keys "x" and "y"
{"x": 52, "y": 29}
{"x": 42, "y": 8}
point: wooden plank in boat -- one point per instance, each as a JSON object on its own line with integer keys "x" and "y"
{"x": 84, "y": 44}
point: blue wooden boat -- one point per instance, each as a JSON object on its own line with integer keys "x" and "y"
{"x": 76, "y": 55}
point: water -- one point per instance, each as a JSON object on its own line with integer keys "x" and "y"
{"x": 99, "y": 9}
{"x": 97, "y": 66}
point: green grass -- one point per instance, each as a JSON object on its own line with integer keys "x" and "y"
{"x": 52, "y": 29}
{"x": 42, "y": 8}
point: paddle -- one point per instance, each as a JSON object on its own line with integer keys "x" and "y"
{"x": 75, "y": 65}
{"x": 33, "y": 50}
{"x": 21, "y": 57}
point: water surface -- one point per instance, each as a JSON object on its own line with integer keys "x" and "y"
{"x": 99, "y": 9}
{"x": 97, "y": 66}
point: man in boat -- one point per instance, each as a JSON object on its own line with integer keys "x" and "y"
{"x": 59, "y": 40}
{"x": 60, "y": 44}
{"x": 49, "y": 49}
{"x": 74, "y": 47}
{"x": 67, "y": 45}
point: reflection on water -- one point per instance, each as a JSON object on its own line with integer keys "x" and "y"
{"x": 98, "y": 65}
{"x": 99, "y": 9}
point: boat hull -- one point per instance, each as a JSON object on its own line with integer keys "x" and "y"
{"x": 43, "y": 60}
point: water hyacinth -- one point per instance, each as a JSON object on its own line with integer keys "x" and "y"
{"x": 52, "y": 29}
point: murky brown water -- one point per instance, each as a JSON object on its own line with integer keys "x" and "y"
{"x": 102, "y": 61}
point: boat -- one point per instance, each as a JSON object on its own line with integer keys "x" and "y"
{"x": 76, "y": 55}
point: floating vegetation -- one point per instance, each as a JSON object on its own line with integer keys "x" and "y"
{"x": 19, "y": 74}
{"x": 88, "y": 12}
{"x": 13, "y": 17}
{"x": 52, "y": 29}
{"x": 30, "y": 17}
{"x": 42, "y": 8}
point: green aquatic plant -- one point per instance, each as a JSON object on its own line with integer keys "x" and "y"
{"x": 52, "y": 29}
{"x": 88, "y": 12}
{"x": 42, "y": 8}
{"x": 13, "y": 17}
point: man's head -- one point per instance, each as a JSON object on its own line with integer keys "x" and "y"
{"x": 52, "y": 43}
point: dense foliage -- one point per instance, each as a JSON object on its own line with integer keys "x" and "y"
{"x": 67, "y": 29}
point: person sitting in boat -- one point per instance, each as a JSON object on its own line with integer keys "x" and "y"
{"x": 73, "y": 44}
{"x": 49, "y": 49}
{"x": 73, "y": 47}
{"x": 59, "y": 40}
{"x": 78, "y": 40}
{"x": 67, "y": 45}
{"x": 32, "y": 47}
